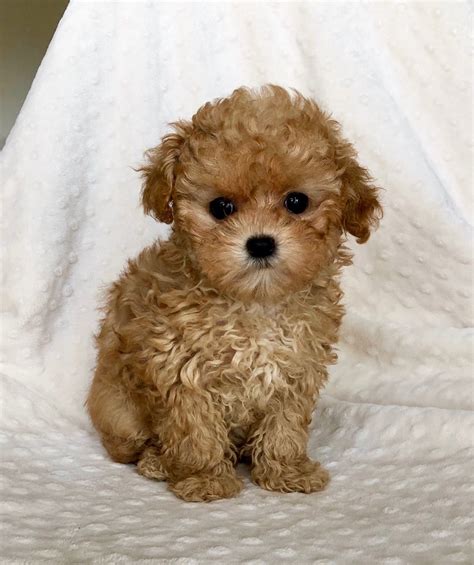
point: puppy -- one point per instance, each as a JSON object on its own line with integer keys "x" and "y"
{"x": 215, "y": 344}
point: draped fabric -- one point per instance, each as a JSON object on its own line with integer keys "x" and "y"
{"x": 394, "y": 426}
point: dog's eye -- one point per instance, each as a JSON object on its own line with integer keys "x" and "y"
{"x": 221, "y": 207}
{"x": 296, "y": 202}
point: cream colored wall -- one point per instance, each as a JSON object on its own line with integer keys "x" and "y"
{"x": 26, "y": 28}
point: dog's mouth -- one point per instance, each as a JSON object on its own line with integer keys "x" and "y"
{"x": 262, "y": 263}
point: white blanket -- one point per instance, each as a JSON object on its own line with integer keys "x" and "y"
{"x": 394, "y": 426}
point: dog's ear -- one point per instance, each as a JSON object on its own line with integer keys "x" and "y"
{"x": 362, "y": 210}
{"x": 159, "y": 174}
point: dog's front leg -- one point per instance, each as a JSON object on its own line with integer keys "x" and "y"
{"x": 196, "y": 454}
{"x": 279, "y": 458}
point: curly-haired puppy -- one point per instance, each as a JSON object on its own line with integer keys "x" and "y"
{"x": 215, "y": 344}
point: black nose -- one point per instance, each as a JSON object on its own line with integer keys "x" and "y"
{"x": 261, "y": 246}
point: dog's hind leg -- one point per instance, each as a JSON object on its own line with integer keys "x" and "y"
{"x": 117, "y": 420}
{"x": 123, "y": 450}
{"x": 150, "y": 465}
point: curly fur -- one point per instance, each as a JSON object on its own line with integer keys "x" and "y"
{"x": 204, "y": 357}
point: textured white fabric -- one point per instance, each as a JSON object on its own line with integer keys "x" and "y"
{"x": 394, "y": 426}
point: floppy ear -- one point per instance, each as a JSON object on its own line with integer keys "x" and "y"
{"x": 362, "y": 210}
{"x": 159, "y": 175}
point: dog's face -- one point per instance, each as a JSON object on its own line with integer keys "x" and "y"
{"x": 261, "y": 187}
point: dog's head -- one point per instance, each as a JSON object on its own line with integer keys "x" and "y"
{"x": 262, "y": 187}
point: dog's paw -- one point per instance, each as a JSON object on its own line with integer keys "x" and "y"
{"x": 306, "y": 477}
{"x": 150, "y": 466}
{"x": 205, "y": 487}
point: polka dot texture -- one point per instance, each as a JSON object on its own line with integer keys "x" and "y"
{"x": 390, "y": 500}
{"x": 395, "y": 424}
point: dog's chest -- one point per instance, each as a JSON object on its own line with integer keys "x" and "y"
{"x": 245, "y": 356}
{"x": 254, "y": 354}
{"x": 252, "y": 357}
